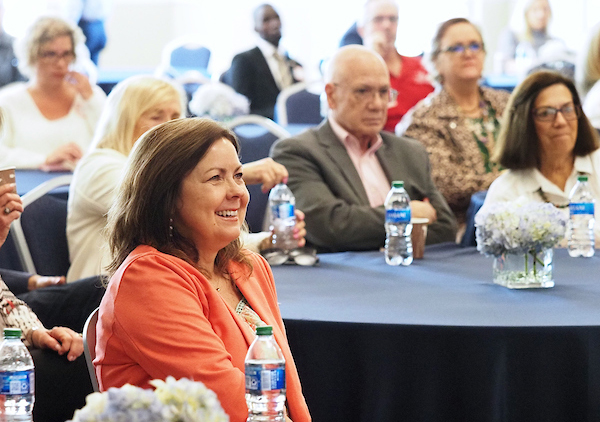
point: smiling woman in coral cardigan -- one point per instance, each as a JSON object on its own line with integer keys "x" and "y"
{"x": 185, "y": 297}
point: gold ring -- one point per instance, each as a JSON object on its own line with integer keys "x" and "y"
{"x": 7, "y": 210}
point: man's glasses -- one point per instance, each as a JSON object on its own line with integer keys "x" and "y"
{"x": 381, "y": 19}
{"x": 388, "y": 95}
{"x": 548, "y": 114}
{"x": 474, "y": 47}
{"x": 54, "y": 57}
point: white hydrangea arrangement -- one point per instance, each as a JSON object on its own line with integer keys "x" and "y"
{"x": 218, "y": 101}
{"x": 171, "y": 401}
{"x": 518, "y": 227}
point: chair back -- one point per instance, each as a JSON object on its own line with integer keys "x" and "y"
{"x": 296, "y": 104}
{"x": 40, "y": 234}
{"x": 183, "y": 55}
{"x": 89, "y": 346}
{"x": 256, "y": 135}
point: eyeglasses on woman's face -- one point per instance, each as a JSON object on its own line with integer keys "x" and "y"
{"x": 473, "y": 47}
{"x": 548, "y": 114}
{"x": 55, "y": 57}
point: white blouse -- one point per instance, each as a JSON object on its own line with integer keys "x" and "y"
{"x": 28, "y": 137}
{"x": 515, "y": 184}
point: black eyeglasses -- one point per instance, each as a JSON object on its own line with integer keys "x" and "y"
{"x": 300, "y": 256}
{"x": 474, "y": 47}
{"x": 548, "y": 114}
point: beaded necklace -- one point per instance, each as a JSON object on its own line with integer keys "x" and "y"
{"x": 485, "y": 130}
{"x": 545, "y": 199}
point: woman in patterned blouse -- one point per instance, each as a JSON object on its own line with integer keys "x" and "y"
{"x": 14, "y": 313}
{"x": 460, "y": 122}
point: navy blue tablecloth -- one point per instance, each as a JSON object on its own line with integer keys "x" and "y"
{"x": 438, "y": 341}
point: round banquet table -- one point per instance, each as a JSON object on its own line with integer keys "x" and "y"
{"x": 438, "y": 341}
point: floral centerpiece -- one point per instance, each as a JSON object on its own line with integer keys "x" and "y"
{"x": 172, "y": 401}
{"x": 520, "y": 235}
{"x": 218, "y": 101}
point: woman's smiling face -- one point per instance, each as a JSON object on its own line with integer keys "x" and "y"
{"x": 211, "y": 206}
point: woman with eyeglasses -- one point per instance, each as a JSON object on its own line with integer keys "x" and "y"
{"x": 546, "y": 142}
{"x": 459, "y": 124}
{"x": 50, "y": 120}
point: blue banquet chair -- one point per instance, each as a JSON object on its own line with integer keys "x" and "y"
{"x": 256, "y": 135}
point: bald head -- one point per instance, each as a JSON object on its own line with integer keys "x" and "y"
{"x": 352, "y": 59}
{"x": 357, "y": 88}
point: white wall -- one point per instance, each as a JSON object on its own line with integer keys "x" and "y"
{"x": 139, "y": 29}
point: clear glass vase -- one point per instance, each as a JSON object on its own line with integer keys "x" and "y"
{"x": 524, "y": 270}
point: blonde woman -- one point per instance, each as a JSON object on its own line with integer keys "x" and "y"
{"x": 589, "y": 80}
{"x": 134, "y": 106}
{"x": 50, "y": 120}
{"x": 526, "y": 34}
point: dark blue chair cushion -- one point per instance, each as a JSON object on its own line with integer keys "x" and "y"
{"x": 255, "y": 143}
{"x": 304, "y": 107}
{"x": 44, "y": 224}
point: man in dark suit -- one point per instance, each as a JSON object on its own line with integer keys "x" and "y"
{"x": 262, "y": 72}
{"x": 341, "y": 171}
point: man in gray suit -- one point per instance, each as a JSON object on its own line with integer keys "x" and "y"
{"x": 341, "y": 171}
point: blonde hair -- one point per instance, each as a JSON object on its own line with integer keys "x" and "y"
{"x": 518, "y": 20}
{"x": 126, "y": 103}
{"x": 44, "y": 30}
{"x": 589, "y": 69}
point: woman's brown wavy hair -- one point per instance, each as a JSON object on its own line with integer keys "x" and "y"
{"x": 147, "y": 195}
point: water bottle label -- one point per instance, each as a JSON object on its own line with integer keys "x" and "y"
{"x": 397, "y": 216}
{"x": 20, "y": 382}
{"x": 258, "y": 379}
{"x": 581, "y": 208}
{"x": 283, "y": 211}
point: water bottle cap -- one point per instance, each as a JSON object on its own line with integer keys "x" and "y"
{"x": 12, "y": 333}
{"x": 582, "y": 178}
{"x": 265, "y": 330}
{"x": 397, "y": 184}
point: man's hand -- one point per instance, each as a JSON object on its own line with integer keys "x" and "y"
{"x": 381, "y": 44}
{"x": 266, "y": 172}
{"x": 62, "y": 339}
{"x": 423, "y": 209}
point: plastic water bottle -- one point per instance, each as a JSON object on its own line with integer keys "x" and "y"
{"x": 398, "y": 244}
{"x": 17, "y": 382}
{"x": 581, "y": 224}
{"x": 282, "y": 203}
{"x": 265, "y": 378}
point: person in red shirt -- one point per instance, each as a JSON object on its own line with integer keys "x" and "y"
{"x": 408, "y": 77}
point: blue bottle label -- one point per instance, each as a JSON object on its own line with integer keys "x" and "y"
{"x": 581, "y": 208}
{"x": 397, "y": 216}
{"x": 14, "y": 383}
{"x": 283, "y": 211}
{"x": 259, "y": 379}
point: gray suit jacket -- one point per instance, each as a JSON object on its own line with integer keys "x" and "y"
{"x": 329, "y": 190}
